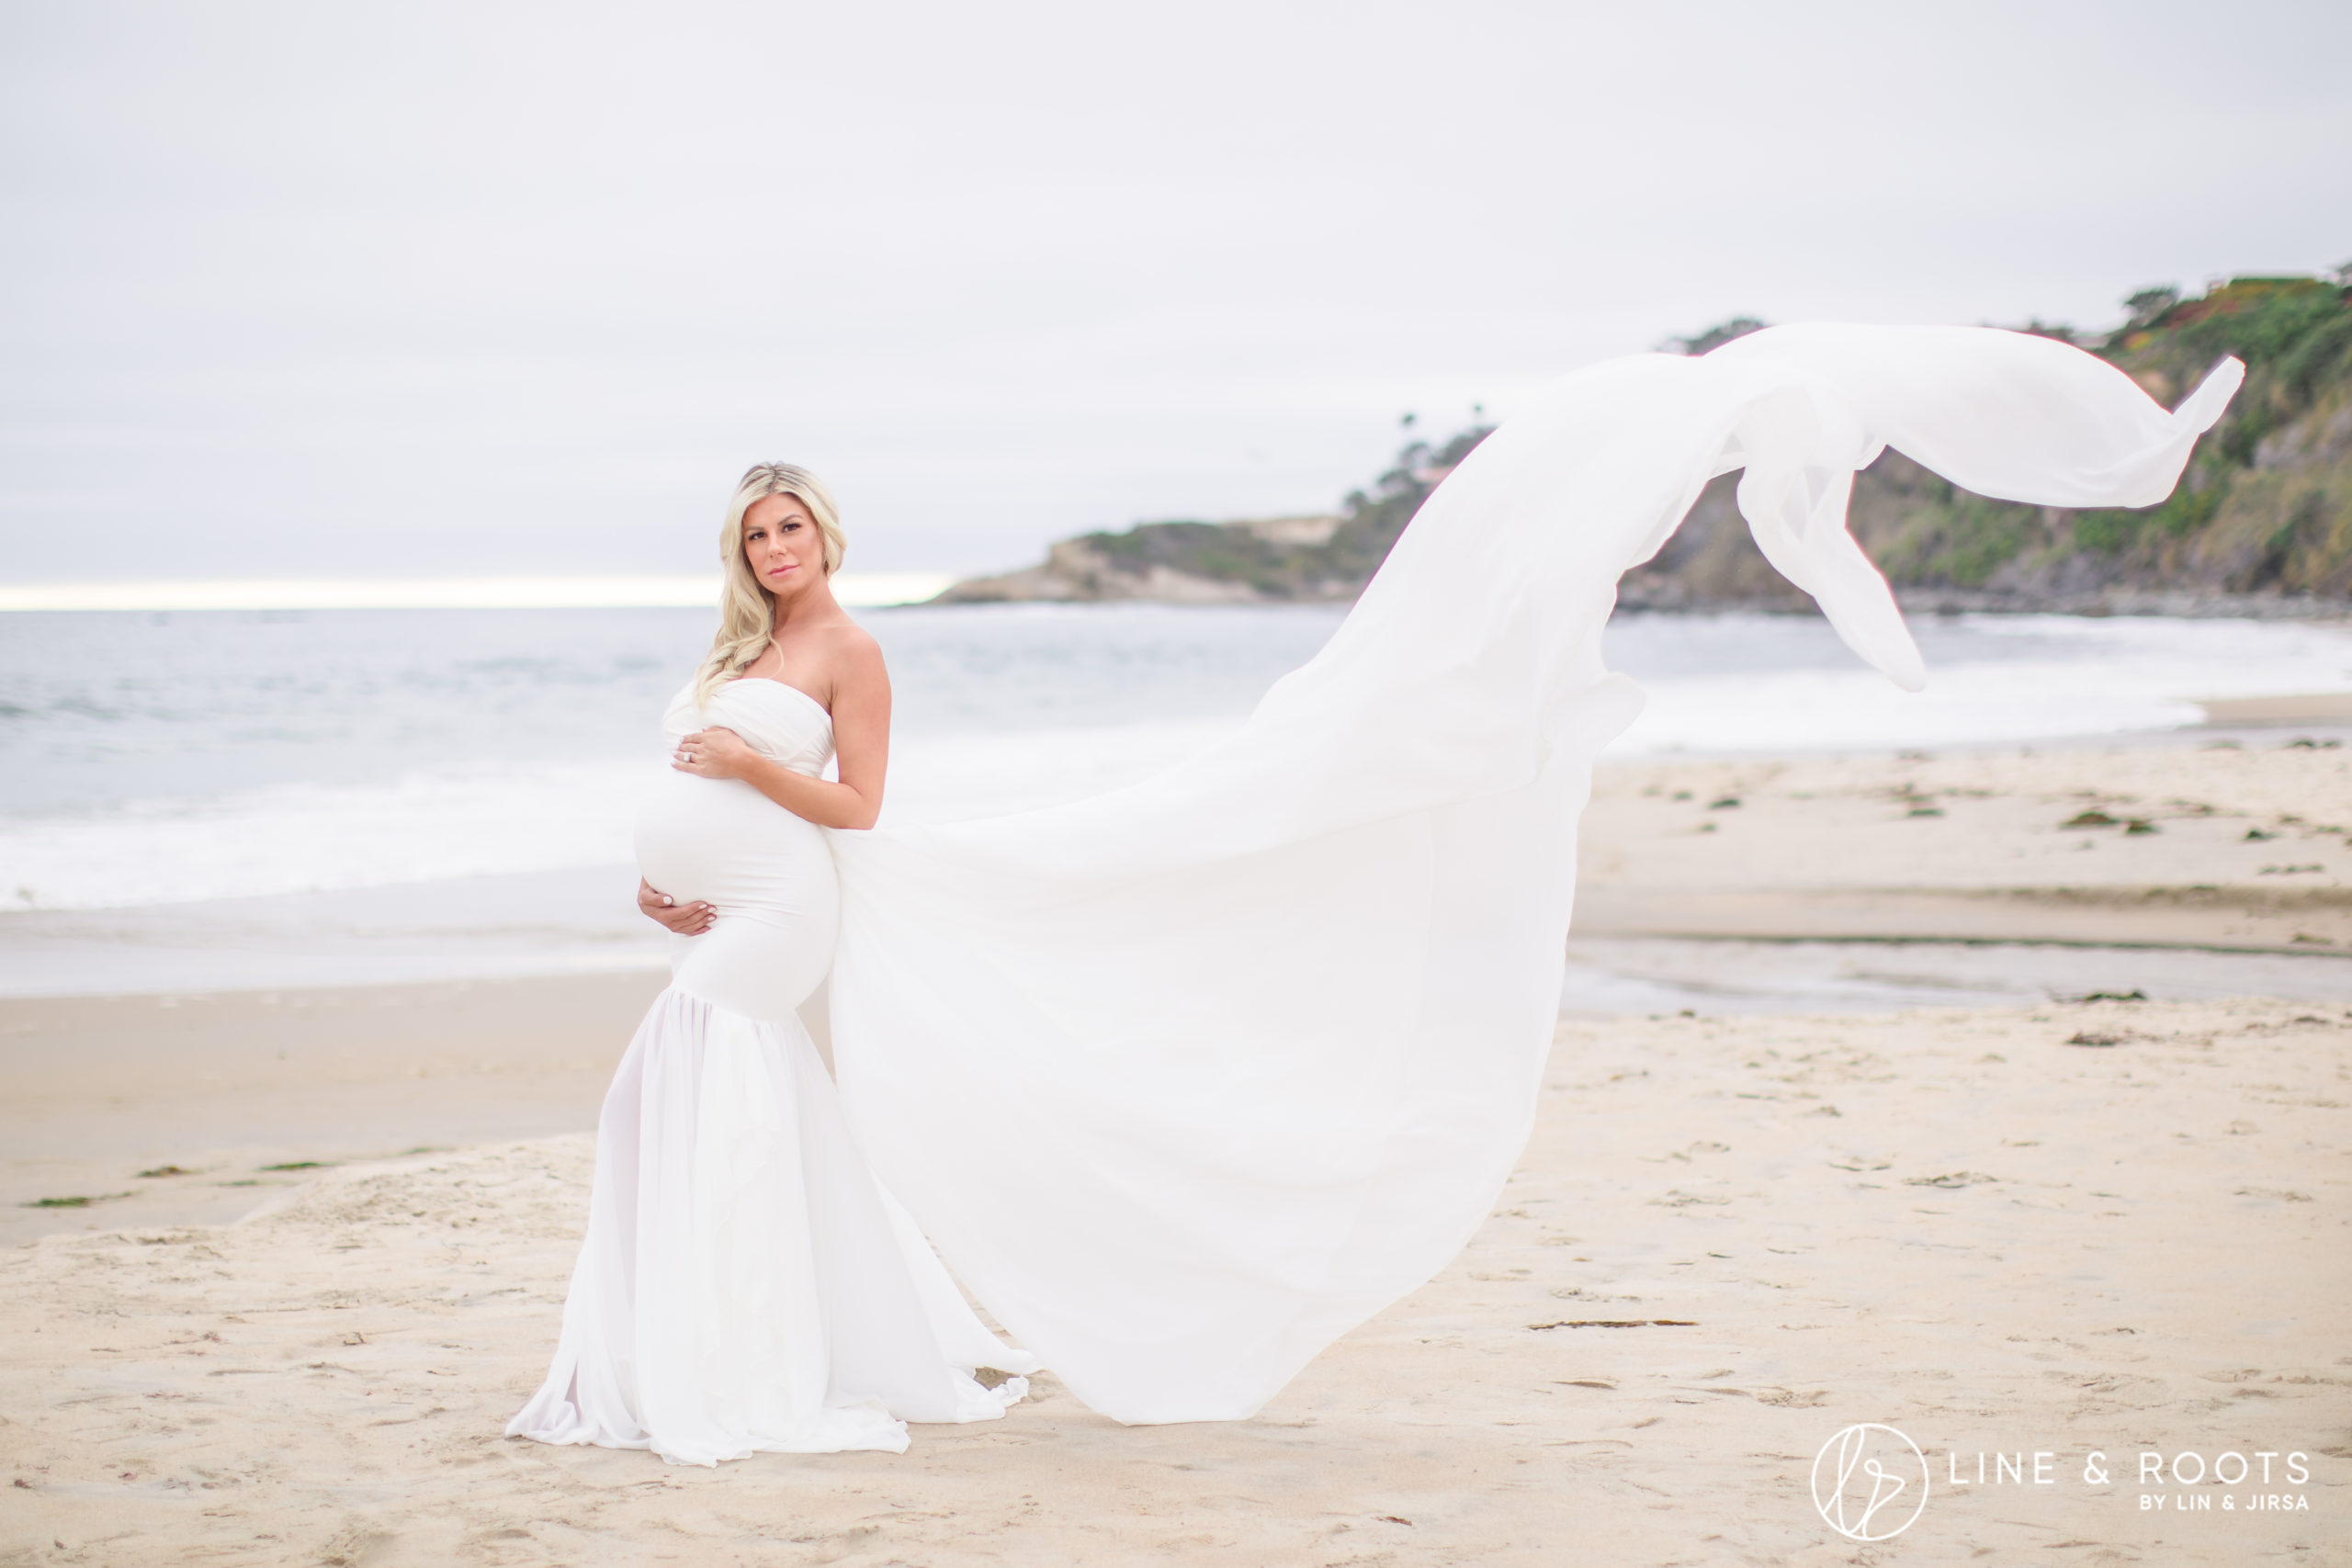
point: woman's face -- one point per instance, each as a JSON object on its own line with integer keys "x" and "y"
{"x": 782, "y": 546}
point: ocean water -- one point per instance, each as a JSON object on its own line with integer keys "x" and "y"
{"x": 152, "y": 760}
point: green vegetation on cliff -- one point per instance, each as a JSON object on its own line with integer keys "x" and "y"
{"x": 2265, "y": 508}
{"x": 1335, "y": 567}
{"x": 2266, "y": 505}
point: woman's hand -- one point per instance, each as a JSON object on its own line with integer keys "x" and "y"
{"x": 686, "y": 920}
{"x": 717, "y": 753}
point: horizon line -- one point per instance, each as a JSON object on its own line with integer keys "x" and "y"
{"x": 872, "y": 590}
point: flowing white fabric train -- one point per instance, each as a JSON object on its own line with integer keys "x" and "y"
{"x": 1187, "y": 1079}
{"x": 744, "y": 1284}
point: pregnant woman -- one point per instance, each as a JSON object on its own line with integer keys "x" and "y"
{"x": 1187, "y": 1079}
{"x": 745, "y": 1284}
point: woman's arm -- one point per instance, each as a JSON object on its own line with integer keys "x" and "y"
{"x": 861, "y": 692}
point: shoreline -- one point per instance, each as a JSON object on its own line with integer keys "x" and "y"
{"x": 2236, "y": 860}
{"x": 2097, "y": 604}
{"x": 580, "y": 921}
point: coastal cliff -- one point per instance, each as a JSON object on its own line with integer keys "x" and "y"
{"x": 2261, "y": 523}
{"x": 1273, "y": 560}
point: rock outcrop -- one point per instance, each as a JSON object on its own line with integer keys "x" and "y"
{"x": 2261, "y": 524}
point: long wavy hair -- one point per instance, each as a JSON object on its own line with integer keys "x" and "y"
{"x": 746, "y": 609}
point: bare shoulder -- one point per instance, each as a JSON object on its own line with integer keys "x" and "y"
{"x": 855, "y": 657}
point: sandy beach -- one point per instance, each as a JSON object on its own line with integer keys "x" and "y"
{"x": 1999, "y": 1232}
{"x": 213, "y": 1090}
{"x": 2109, "y": 1226}
{"x": 2238, "y": 845}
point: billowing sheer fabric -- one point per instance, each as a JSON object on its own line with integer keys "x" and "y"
{"x": 1187, "y": 1079}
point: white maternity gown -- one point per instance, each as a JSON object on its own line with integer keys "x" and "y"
{"x": 1187, "y": 1079}
{"x": 744, "y": 1284}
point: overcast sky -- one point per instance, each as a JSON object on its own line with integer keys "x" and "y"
{"x": 411, "y": 289}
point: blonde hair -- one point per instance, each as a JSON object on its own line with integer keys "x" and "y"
{"x": 746, "y": 609}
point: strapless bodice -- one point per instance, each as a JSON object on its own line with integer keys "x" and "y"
{"x": 780, "y": 721}
{"x": 722, "y": 842}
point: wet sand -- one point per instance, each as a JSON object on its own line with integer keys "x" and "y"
{"x": 2107, "y": 1228}
{"x": 215, "y": 1088}
{"x": 1970, "y": 846}
{"x": 2237, "y": 846}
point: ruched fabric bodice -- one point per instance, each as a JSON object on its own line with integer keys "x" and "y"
{"x": 722, "y": 842}
{"x": 784, "y": 722}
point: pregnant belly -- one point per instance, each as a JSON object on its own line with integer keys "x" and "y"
{"x": 723, "y": 842}
{"x": 770, "y": 874}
